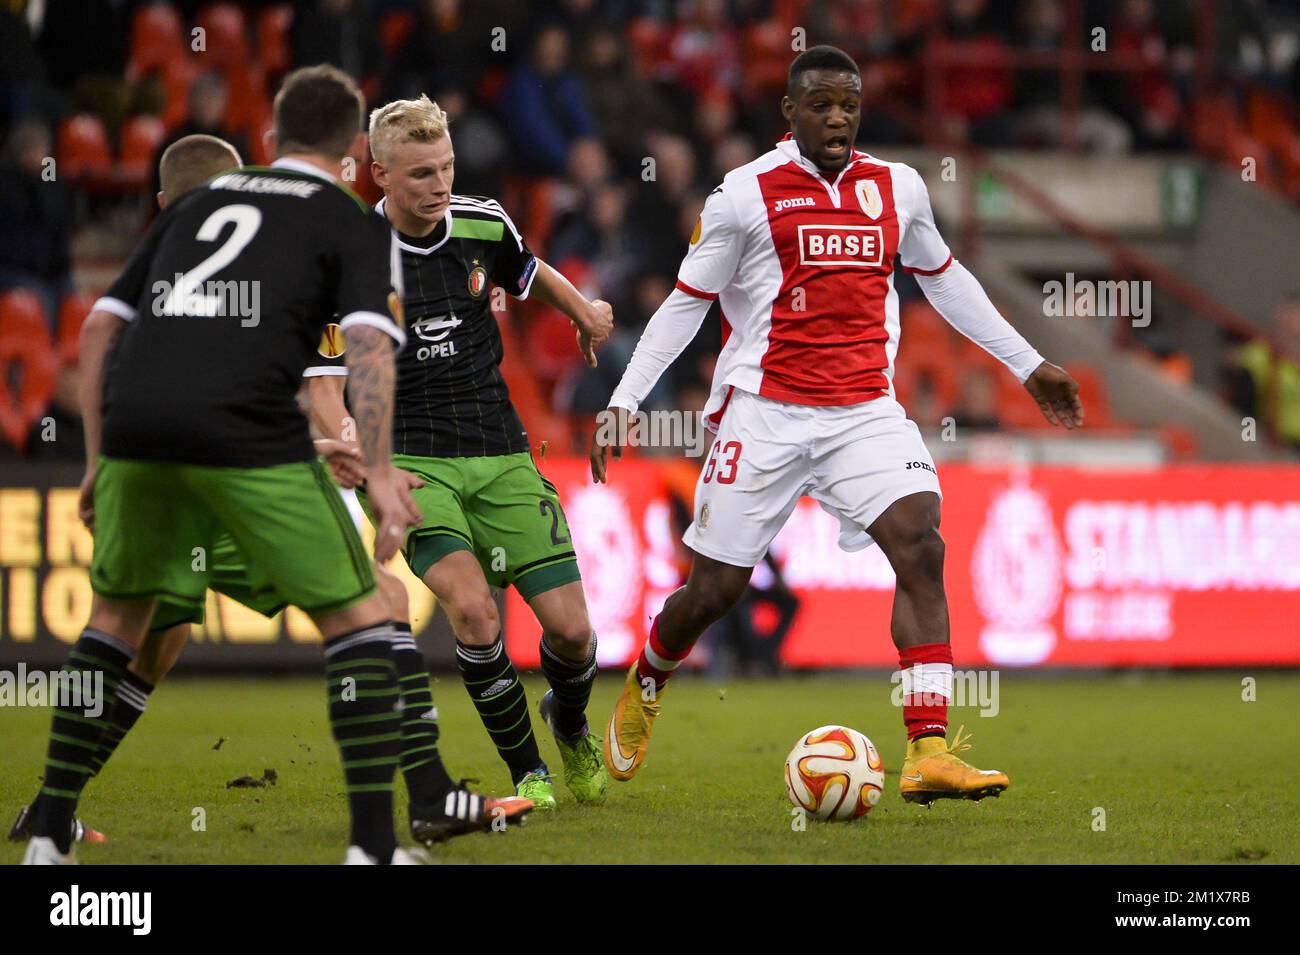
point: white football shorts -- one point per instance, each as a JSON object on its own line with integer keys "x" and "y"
{"x": 854, "y": 460}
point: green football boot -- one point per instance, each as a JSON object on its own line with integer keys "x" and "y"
{"x": 584, "y": 759}
{"x": 538, "y": 787}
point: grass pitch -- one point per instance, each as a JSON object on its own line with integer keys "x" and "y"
{"x": 1184, "y": 769}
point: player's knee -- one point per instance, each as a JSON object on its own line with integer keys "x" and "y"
{"x": 571, "y": 639}
{"x": 918, "y": 556}
{"x": 475, "y": 620}
{"x": 393, "y": 591}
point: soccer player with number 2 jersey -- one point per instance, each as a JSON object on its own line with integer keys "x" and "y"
{"x": 798, "y": 249}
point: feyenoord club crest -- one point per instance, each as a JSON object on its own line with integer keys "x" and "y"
{"x": 868, "y": 194}
{"x": 477, "y": 280}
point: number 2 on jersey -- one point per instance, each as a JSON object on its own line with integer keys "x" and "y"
{"x": 188, "y": 296}
{"x": 724, "y": 458}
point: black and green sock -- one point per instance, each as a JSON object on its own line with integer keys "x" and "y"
{"x": 570, "y": 682}
{"x": 132, "y": 695}
{"x": 426, "y": 778}
{"x": 97, "y": 660}
{"x": 365, "y": 716}
{"x": 493, "y": 684}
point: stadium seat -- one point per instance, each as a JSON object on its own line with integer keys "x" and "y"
{"x": 394, "y": 26}
{"x": 28, "y": 366}
{"x": 83, "y": 149}
{"x": 1092, "y": 392}
{"x": 176, "y": 80}
{"x": 72, "y": 313}
{"x": 225, "y": 35}
{"x": 273, "y": 25}
{"x": 157, "y": 40}
{"x": 247, "y": 103}
{"x": 141, "y": 136}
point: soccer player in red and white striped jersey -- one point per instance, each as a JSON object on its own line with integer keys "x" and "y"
{"x": 798, "y": 248}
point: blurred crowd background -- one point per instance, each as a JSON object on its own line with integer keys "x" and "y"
{"x": 602, "y": 125}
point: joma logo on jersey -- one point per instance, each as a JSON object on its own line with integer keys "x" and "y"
{"x": 841, "y": 245}
{"x": 782, "y": 204}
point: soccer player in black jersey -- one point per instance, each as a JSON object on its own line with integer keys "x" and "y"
{"x": 489, "y": 516}
{"x": 200, "y": 433}
{"x": 439, "y": 808}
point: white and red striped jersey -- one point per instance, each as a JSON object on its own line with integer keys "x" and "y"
{"x": 802, "y": 266}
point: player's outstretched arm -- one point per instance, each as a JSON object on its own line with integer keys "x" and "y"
{"x": 371, "y": 375}
{"x": 593, "y": 320}
{"x": 958, "y": 296}
{"x": 98, "y": 333}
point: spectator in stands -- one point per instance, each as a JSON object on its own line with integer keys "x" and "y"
{"x": 545, "y": 107}
{"x": 339, "y": 32}
{"x": 977, "y": 404}
{"x": 1148, "y": 100}
{"x": 207, "y": 115}
{"x": 1275, "y": 375}
{"x": 624, "y": 104}
{"x": 1042, "y": 120}
{"x": 481, "y": 145}
{"x": 36, "y": 210}
{"x": 977, "y": 97}
{"x": 449, "y": 46}
{"x": 657, "y": 203}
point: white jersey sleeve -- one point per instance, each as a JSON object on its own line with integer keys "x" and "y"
{"x": 715, "y": 248}
{"x": 961, "y": 300}
{"x": 922, "y": 249}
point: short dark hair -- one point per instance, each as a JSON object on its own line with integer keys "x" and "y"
{"x": 319, "y": 109}
{"x": 820, "y": 58}
{"x": 193, "y": 160}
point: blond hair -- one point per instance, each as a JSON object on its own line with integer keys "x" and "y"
{"x": 405, "y": 121}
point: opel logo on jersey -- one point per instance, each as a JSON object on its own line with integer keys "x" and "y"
{"x": 861, "y": 245}
{"x": 868, "y": 194}
{"x": 436, "y": 327}
{"x": 477, "y": 280}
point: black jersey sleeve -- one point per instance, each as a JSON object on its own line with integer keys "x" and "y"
{"x": 329, "y": 358}
{"x": 127, "y": 292}
{"x": 370, "y": 278}
{"x": 513, "y": 265}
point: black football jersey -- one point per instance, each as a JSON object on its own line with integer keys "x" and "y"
{"x": 452, "y": 400}
{"x": 227, "y": 299}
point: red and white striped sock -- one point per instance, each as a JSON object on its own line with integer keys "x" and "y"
{"x": 657, "y": 662}
{"x": 927, "y": 688}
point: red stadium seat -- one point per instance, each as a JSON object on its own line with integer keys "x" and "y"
{"x": 394, "y": 27}
{"x": 176, "y": 80}
{"x": 157, "y": 40}
{"x": 225, "y": 35}
{"x": 273, "y": 38}
{"x": 83, "y": 147}
{"x": 247, "y": 103}
{"x": 72, "y": 314}
{"x": 141, "y": 136}
{"x": 27, "y": 361}
{"x": 1092, "y": 392}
